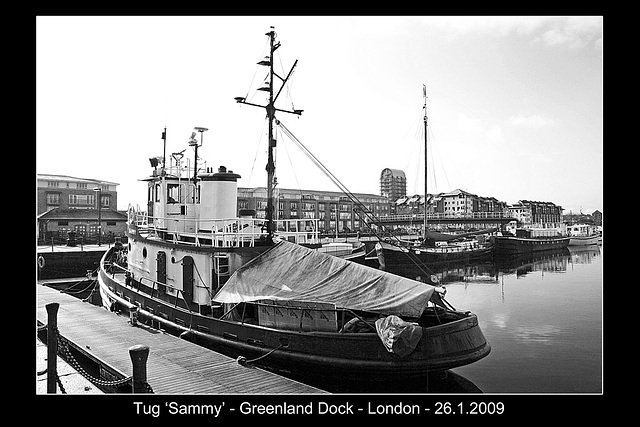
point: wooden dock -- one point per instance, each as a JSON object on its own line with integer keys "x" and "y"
{"x": 174, "y": 366}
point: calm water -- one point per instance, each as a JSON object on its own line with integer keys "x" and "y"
{"x": 542, "y": 317}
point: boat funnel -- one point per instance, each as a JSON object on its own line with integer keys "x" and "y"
{"x": 218, "y": 198}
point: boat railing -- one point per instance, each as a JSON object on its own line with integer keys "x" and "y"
{"x": 457, "y": 248}
{"x": 447, "y": 215}
{"x": 221, "y": 232}
{"x": 156, "y": 287}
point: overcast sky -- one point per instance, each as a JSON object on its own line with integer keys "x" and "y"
{"x": 515, "y": 104}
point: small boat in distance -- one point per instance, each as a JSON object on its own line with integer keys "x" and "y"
{"x": 582, "y": 235}
{"x": 345, "y": 250}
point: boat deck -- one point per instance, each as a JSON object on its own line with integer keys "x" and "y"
{"x": 174, "y": 366}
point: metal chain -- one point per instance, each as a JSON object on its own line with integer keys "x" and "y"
{"x": 63, "y": 350}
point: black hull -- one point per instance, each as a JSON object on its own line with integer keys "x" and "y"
{"x": 390, "y": 255}
{"x": 343, "y": 355}
{"x": 517, "y": 245}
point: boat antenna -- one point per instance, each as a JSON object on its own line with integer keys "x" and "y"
{"x": 271, "y": 114}
{"x": 424, "y": 94}
{"x": 164, "y": 151}
{"x": 194, "y": 143}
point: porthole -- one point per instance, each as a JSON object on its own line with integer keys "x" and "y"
{"x": 144, "y": 252}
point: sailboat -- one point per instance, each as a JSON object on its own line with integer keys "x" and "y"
{"x": 450, "y": 248}
{"x": 248, "y": 288}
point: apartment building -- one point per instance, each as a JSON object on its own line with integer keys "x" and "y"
{"x": 393, "y": 184}
{"x": 65, "y": 203}
{"x": 333, "y": 210}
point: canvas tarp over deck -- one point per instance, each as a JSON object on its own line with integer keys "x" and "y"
{"x": 292, "y": 272}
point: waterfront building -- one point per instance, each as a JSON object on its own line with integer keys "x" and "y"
{"x": 66, "y": 203}
{"x": 456, "y": 203}
{"x": 393, "y": 184}
{"x": 534, "y": 214}
{"x": 544, "y": 214}
{"x": 333, "y": 210}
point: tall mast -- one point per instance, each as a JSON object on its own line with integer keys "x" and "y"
{"x": 271, "y": 115}
{"x": 424, "y": 94}
{"x": 271, "y": 167}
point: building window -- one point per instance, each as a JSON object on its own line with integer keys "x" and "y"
{"x": 53, "y": 199}
{"x": 82, "y": 199}
{"x": 53, "y": 184}
{"x": 80, "y": 230}
{"x": 81, "y": 185}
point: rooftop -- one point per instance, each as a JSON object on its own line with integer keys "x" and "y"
{"x": 50, "y": 177}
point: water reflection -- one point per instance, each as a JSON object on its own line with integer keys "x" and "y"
{"x": 490, "y": 272}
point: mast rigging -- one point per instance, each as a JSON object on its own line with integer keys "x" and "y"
{"x": 424, "y": 94}
{"x": 271, "y": 114}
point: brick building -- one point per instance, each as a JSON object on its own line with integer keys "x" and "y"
{"x": 66, "y": 203}
{"x": 332, "y": 208}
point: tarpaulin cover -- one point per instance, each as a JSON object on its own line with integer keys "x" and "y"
{"x": 398, "y": 336}
{"x": 292, "y": 272}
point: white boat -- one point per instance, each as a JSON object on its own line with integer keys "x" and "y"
{"x": 582, "y": 235}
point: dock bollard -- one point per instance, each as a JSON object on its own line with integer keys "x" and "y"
{"x": 139, "y": 355}
{"x": 52, "y": 346}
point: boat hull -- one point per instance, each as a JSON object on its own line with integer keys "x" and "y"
{"x": 583, "y": 240}
{"x": 352, "y": 356}
{"x": 518, "y": 245}
{"x": 390, "y": 255}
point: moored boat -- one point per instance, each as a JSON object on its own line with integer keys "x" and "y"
{"x": 528, "y": 241}
{"x": 582, "y": 235}
{"x": 345, "y": 250}
{"x": 250, "y": 288}
{"x": 392, "y": 252}
{"x": 311, "y": 313}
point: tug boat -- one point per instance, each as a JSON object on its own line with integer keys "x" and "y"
{"x": 258, "y": 290}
